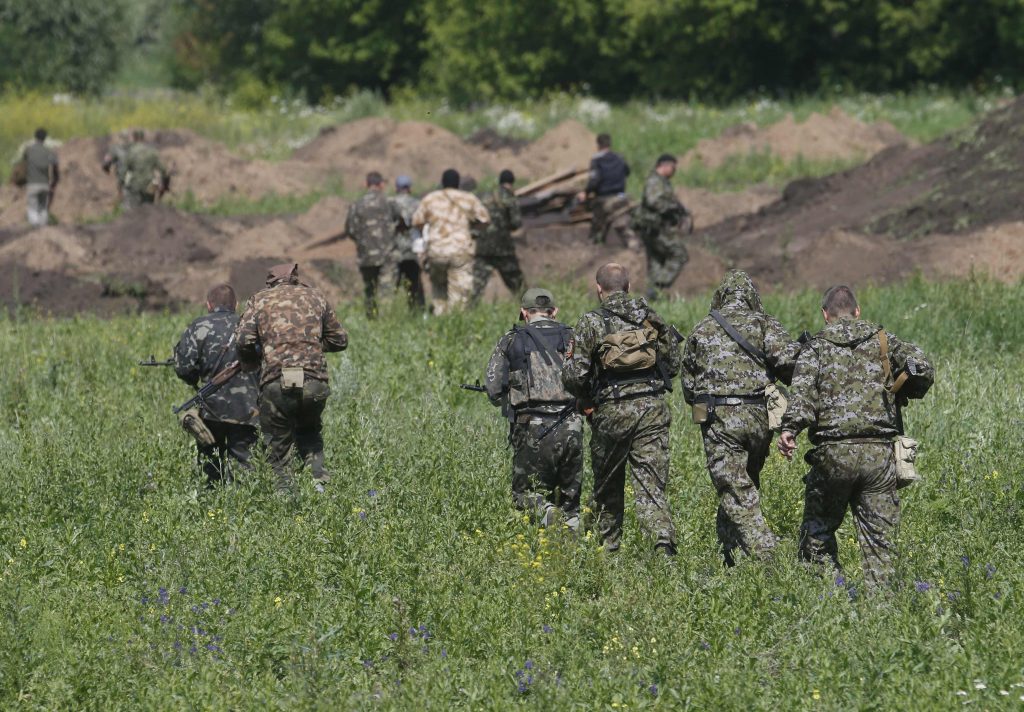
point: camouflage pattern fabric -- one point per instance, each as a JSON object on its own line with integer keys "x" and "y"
{"x": 630, "y": 421}
{"x": 372, "y": 222}
{"x": 664, "y": 242}
{"x": 406, "y": 205}
{"x": 602, "y": 208}
{"x": 448, "y": 214}
{"x": 506, "y": 265}
{"x": 233, "y": 443}
{"x": 451, "y": 282}
{"x": 294, "y": 325}
{"x": 291, "y": 420}
{"x": 495, "y": 239}
{"x": 737, "y": 439}
{"x": 839, "y": 393}
{"x": 143, "y": 170}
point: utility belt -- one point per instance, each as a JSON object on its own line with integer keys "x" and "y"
{"x": 703, "y": 409}
{"x": 524, "y": 416}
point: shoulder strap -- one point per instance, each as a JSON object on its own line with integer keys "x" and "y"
{"x": 897, "y": 384}
{"x": 755, "y": 353}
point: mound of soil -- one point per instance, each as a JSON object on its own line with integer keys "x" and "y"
{"x": 835, "y": 136}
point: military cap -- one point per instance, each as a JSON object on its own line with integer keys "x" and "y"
{"x": 403, "y": 181}
{"x": 537, "y": 298}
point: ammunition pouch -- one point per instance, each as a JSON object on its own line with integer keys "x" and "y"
{"x": 906, "y": 456}
{"x": 777, "y": 404}
{"x": 192, "y": 424}
{"x": 292, "y": 379}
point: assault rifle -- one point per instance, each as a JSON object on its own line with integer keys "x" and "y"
{"x": 211, "y": 387}
{"x": 563, "y": 415}
{"x": 153, "y": 362}
{"x": 477, "y": 388}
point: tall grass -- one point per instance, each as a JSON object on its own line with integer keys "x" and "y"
{"x": 413, "y": 584}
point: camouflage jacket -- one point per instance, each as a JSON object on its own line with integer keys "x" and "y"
{"x": 519, "y": 375}
{"x": 143, "y": 169}
{"x": 620, "y": 311}
{"x": 372, "y": 222}
{"x": 406, "y": 205}
{"x": 660, "y": 205}
{"x": 293, "y": 325}
{"x": 714, "y": 364}
{"x": 839, "y": 385}
{"x": 206, "y": 347}
{"x": 495, "y": 239}
{"x": 448, "y": 214}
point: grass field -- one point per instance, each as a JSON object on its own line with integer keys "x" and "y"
{"x": 413, "y": 584}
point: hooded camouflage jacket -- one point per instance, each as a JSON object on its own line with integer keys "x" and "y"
{"x": 839, "y": 385}
{"x": 581, "y": 372}
{"x": 495, "y": 238}
{"x": 406, "y": 204}
{"x": 143, "y": 169}
{"x": 372, "y": 222}
{"x": 293, "y": 325}
{"x": 714, "y": 364}
{"x": 200, "y": 354}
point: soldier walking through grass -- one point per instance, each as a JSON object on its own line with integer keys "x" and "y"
{"x": 725, "y": 380}
{"x": 662, "y": 222}
{"x": 843, "y": 394}
{"x": 494, "y": 247}
{"x": 524, "y": 377}
{"x": 206, "y": 347}
{"x": 620, "y": 366}
{"x": 373, "y": 222}
{"x": 42, "y": 173}
{"x": 145, "y": 178}
{"x": 285, "y": 331}
{"x": 407, "y": 241}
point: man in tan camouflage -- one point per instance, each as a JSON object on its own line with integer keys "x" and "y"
{"x": 845, "y": 394}
{"x": 726, "y": 382}
{"x": 447, "y": 217}
{"x": 285, "y": 331}
{"x": 494, "y": 247}
{"x": 620, "y": 366}
{"x": 372, "y": 221}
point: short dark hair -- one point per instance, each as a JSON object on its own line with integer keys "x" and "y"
{"x": 604, "y": 140}
{"x": 538, "y": 310}
{"x": 374, "y": 178}
{"x": 613, "y": 277}
{"x": 222, "y": 296}
{"x": 839, "y": 301}
{"x": 450, "y": 178}
{"x": 506, "y": 177}
{"x": 665, "y": 158}
{"x": 40, "y": 134}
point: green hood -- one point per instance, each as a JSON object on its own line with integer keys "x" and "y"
{"x": 849, "y": 333}
{"x": 737, "y": 290}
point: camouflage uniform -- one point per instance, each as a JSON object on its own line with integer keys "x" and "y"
{"x": 665, "y": 221}
{"x": 736, "y": 436}
{"x": 204, "y": 349}
{"x": 630, "y": 421}
{"x": 839, "y": 394}
{"x": 447, "y": 215}
{"x": 371, "y": 222}
{"x": 144, "y": 175}
{"x": 606, "y": 184}
{"x": 523, "y": 377}
{"x": 407, "y": 267}
{"x": 291, "y": 325}
{"x": 494, "y": 247}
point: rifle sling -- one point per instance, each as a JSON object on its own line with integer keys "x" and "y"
{"x": 755, "y": 353}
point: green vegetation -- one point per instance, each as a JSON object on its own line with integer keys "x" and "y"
{"x": 413, "y": 584}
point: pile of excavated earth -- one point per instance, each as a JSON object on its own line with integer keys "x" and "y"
{"x": 942, "y": 209}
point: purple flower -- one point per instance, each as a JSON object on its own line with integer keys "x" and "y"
{"x": 990, "y": 570}
{"x": 840, "y": 580}
{"x": 653, "y": 689}
{"x": 444, "y": 653}
{"x": 367, "y": 663}
{"x": 705, "y": 645}
{"x": 165, "y": 619}
{"x": 145, "y": 599}
{"x": 965, "y": 561}
{"x": 519, "y": 674}
{"x": 953, "y": 595}
{"x": 163, "y": 596}
{"x": 736, "y": 630}
{"x": 213, "y": 648}
{"x": 546, "y": 628}
{"x": 521, "y": 687}
{"x": 393, "y": 636}
{"x": 939, "y": 611}
{"x": 528, "y": 665}
{"x": 182, "y": 590}
{"x": 216, "y": 601}
{"x": 922, "y": 586}
{"x": 177, "y": 645}
{"x": 372, "y": 493}
{"x": 362, "y": 515}
{"x": 193, "y": 649}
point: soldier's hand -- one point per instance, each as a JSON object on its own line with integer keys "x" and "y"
{"x": 787, "y": 444}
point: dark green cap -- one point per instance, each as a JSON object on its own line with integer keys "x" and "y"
{"x": 537, "y": 298}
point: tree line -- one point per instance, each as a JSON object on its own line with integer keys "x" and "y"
{"x": 493, "y": 50}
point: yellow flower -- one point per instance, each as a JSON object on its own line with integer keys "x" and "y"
{"x": 145, "y": 516}
{"x": 277, "y": 602}
{"x": 24, "y": 544}
{"x": 120, "y": 579}
{"x": 816, "y": 695}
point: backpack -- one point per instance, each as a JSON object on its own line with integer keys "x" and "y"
{"x": 535, "y": 359}
{"x": 630, "y": 350}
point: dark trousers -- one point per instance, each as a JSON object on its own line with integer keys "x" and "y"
{"x": 371, "y": 284}
{"x": 409, "y": 276}
{"x": 291, "y": 421}
{"x": 233, "y": 441}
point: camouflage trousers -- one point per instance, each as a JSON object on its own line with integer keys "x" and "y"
{"x": 632, "y": 431}
{"x": 407, "y": 276}
{"x": 861, "y": 476}
{"x": 371, "y": 285}
{"x": 291, "y": 421}
{"x": 736, "y": 443}
{"x": 451, "y": 282}
{"x": 547, "y": 473}
{"x": 602, "y": 208}
{"x": 233, "y": 441}
{"x": 131, "y": 199}
{"x": 506, "y": 265}
{"x": 666, "y": 256}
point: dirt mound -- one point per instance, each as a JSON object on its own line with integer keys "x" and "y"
{"x": 709, "y": 208}
{"x": 835, "y": 136}
{"x": 568, "y": 145}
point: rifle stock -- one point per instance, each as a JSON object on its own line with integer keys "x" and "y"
{"x": 211, "y": 387}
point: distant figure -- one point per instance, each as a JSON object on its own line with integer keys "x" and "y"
{"x": 42, "y": 173}
{"x": 606, "y": 194}
{"x": 662, "y": 222}
{"x": 494, "y": 247}
{"x": 145, "y": 178}
{"x": 206, "y": 347}
{"x": 372, "y": 222}
{"x": 407, "y": 242}
{"x": 448, "y": 215}
{"x": 116, "y": 159}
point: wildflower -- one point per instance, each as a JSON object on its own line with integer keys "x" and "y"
{"x": 528, "y": 665}
{"x": 182, "y": 590}
{"x": 444, "y": 653}
{"x": 840, "y": 580}
{"x": 815, "y": 695}
{"x": 24, "y": 543}
{"x": 653, "y": 689}
{"x": 961, "y": 693}
{"x": 922, "y": 586}
{"x": 277, "y": 602}
{"x": 979, "y": 685}
{"x": 163, "y": 596}
{"x": 367, "y": 663}
{"x": 990, "y": 570}
{"x": 212, "y": 648}
{"x": 372, "y": 494}
{"x": 165, "y": 618}
{"x": 965, "y": 561}
{"x": 546, "y": 628}
{"x": 393, "y": 636}
{"x": 953, "y": 595}
{"x": 362, "y": 515}
{"x": 705, "y": 645}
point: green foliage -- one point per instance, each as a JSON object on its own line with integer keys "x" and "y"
{"x": 413, "y": 584}
{"x": 62, "y": 44}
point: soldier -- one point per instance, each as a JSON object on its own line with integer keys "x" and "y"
{"x": 842, "y": 392}
{"x": 619, "y": 367}
{"x": 206, "y": 347}
{"x": 285, "y": 330}
{"x": 407, "y": 241}
{"x": 524, "y": 377}
{"x": 145, "y": 178}
{"x": 372, "y": 222}
{"x": 494, "y": 247}
{"x": 448, "y": 215}
{"x": 42, "y": 173}
{"x": 116, "y": 159}
{"x": 662, "y": 220}
{"x": 606, "y": 191}
{"x": 725, "y": 381}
